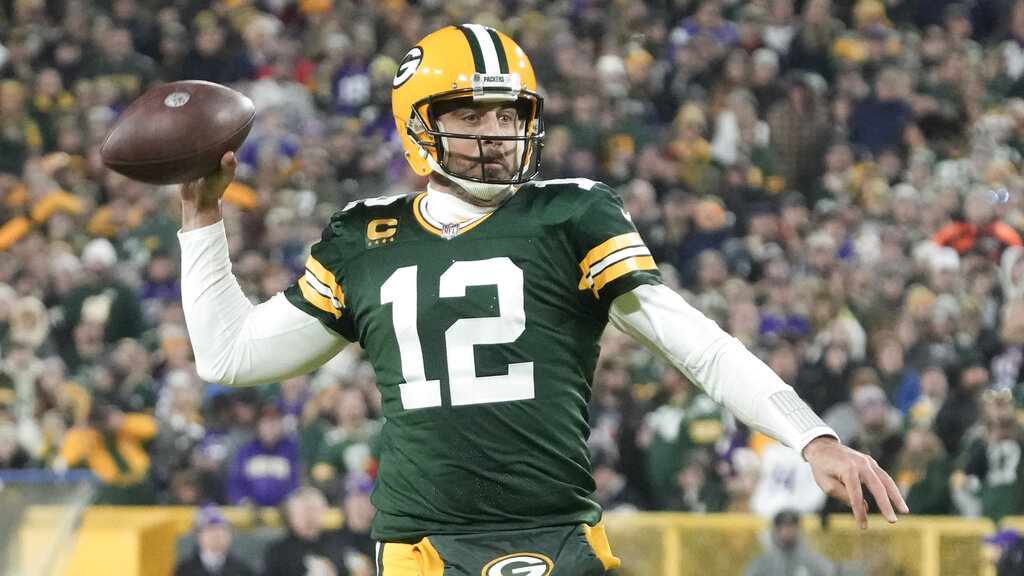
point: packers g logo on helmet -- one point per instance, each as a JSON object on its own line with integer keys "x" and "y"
{"x": 474, "y": 62}
{"x": 408, "y": 66}
{"x": 524, "y": 564}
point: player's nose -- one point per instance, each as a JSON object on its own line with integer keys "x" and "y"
{"x": 491, "y": 126}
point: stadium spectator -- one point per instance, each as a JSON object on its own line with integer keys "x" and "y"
{"x": 223, "y": 436}
{"x": 308, "y": 549}
{"x": 213, "y": 556}
{"x": 992, "y": 475}
{"x": 13, "y": 455}
{"x": 978, "y": 230}
{"x": 266, "y": 469}
{"x": 353, "y": 537}
{"x": 181, "y": 425}
{"x": 879, "y": 122}
{"x": 1005, "y": 549}
{"x": 215, "y": 56}
{"x": 810, "y": 48}
{"x": 349, "y": 447}
{"x": 785, "y": 481}
{"x": 923, "y": 469}
{"x": 680, "y": 434}
{"x": 798, "y": 127}
{"x": 962, "y": 408}
{"x": 20, "y": 136}
{"x": 787, "y": 554}
{"x": 112, "y": 445}
{"x": 101, "y": 303}
{"x": 116, "y": 61}
{"x": 880, "y": 433}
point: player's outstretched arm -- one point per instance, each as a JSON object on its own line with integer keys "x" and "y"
{"x": 236, "y": 343}
{"x": 843, "y": 472}
{"x": 733, "y": 376}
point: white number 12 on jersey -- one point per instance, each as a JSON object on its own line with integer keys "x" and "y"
{"x": 464, "y": 385}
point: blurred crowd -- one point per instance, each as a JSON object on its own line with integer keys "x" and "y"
{"x": 837, "y": 183}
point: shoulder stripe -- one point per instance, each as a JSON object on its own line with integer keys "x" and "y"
{"x": 621, "y": 269}
{"x": 614, "y": 258}
{"x": 613, "y": 244}
{"x": 316, "y": 299}
{"x": 321, "y": 288}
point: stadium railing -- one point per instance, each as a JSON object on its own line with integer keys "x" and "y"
{"x": 145, "y": 541}
{"x": 40, "y": 511}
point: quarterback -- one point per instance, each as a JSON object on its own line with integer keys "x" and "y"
{"x": 480, "y": 303}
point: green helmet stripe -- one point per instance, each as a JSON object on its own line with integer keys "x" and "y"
{"x": 500, "y": 49}
{"x": 488, "y": 51}
{"x": 474, "y": 46}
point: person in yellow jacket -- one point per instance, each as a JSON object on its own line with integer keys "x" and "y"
{"x": 113, "y": 445}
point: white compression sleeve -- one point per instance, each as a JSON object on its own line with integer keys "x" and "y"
{"x": 664, "y": 322}
{"x": 235, "y": 342}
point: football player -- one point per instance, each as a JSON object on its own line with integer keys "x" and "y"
{"x": 480, "y": 302}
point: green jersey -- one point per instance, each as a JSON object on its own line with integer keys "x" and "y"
{"x": 484, "y": 338}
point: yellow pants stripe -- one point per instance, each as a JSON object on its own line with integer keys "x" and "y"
{"x": 420, "y": 559}
{"x": 599, "y": 542}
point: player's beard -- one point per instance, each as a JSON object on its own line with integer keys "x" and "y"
{"x": 494, "y": 165}
{"x": 475, "y": 193}
{"x": 490, "y": 165}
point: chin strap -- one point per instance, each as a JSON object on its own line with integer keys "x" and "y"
{"x": 480, "y": 190}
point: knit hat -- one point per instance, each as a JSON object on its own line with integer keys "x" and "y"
{"x": 210, "y": 515}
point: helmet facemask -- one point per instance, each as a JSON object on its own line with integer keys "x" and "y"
{"x": 427, "y": 130}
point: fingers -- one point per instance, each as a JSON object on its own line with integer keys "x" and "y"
{"x": 886, "y": 493}
{"x": 213, "y": 186}
{"x": 867, "y": 473}
{"x": 855, "y": 496}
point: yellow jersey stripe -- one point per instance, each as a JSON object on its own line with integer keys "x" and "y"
{"x": 620, "y": 269}
{"x": 607, "y": 247}
{"x": 419, "y": 215}
{"x": 317, "y": 299}
{"x": 326, "y": 278}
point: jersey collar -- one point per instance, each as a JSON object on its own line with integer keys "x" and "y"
{"x": 444, "y": 220}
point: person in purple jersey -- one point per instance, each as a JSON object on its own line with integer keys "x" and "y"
{"x": 266, "y": 469}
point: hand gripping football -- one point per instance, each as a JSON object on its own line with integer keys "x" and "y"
{"x": 178, "y": 132}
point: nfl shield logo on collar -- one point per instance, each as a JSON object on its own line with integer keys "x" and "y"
{"x": 449, "y": 231}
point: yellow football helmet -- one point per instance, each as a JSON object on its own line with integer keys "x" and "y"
{"x": 468, "y": 61}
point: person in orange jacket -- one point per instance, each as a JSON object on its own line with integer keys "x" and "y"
{"x": 112, "y": 445}
{"x": 978, "y": 229}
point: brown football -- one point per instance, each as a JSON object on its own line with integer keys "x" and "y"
{"x": 178, "y": 132}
